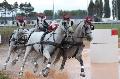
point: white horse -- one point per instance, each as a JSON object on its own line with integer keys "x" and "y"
{"x": 17, "y": 38}
{"x": 20, "y": 37}
{"x": 52, "y": 39}
{"x": 72, "y": 45}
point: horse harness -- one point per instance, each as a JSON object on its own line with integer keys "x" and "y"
{"x": 42, "y": 42}
{"x": 67, "y": 25}
{"x": 22, "y": 39}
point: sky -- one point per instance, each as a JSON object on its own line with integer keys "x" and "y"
{"x": 41, "y": 5}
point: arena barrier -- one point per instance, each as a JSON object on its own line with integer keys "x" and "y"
{"x": 104, "y": 46}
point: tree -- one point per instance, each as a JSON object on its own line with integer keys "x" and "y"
{"x": 91, "y": 8}
{"x": 26, "y": 8}
{"x": 1, "y": 9}
{"x": 75, "y": 13}
{"x": 15, "y": 6}
{"x": 101, "y": 8}
{"x": 48, "y": 12}
{"x": 32, "y": 14}
{"x": 11, "y": 10}
{"x": 4, "y": 7}
{"x": 118, "y": 8}
{"x": 97, "y": 8}
{"x": 106, "y": 9}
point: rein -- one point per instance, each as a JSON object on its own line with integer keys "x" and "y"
{"x": 51, "y": 43}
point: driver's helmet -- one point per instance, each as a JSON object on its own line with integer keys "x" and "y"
{"x": 41, "y": 15}
{"x": 66, "y": 17}
{"x": 88, "y": 19}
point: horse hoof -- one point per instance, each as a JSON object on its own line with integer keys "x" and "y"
{"x": 61, "y": 68}
{"x": 14, "y": 62}
{"x": 82, "y": 75}
{"x": 20, "y": 74}
{"x": 45, "y": 72}
{"x": 45, "y": 75}
{"x": 4, "y": 68}
{"x": 35, "y": 70}
{"x": 36, "y": 65}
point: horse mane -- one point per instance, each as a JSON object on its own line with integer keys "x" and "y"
{"x": 78, "y": 28}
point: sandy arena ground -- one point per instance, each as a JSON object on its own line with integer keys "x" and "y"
{"x": 71, "y": 71}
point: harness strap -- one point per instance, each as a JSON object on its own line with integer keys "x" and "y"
{"x": 42, "y": 38}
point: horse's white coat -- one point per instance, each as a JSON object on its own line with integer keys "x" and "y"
{"x": 47, "y": 49}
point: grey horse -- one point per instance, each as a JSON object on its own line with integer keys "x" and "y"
{"x": 72, "y": 45}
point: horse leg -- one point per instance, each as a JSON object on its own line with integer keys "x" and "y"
{"x": 45, "y": 59}
{"x": 63, "y": 62}
{"x": 16, "y": 59}
{"x": 64, "y": 59}
{"x": 79, "y": 58}
{"x": 82, "y": 68}
{"x": 58, "y": 57}
{"x": 46, "y": 70}
{"x": 35, "y": 64}
{"x": 28, "y": 49}
{"x": 8, "y": 57}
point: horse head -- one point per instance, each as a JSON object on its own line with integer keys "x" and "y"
{"x": 67, "y": 25}
{"x": 42, "y": 25}
{"x": 19, "y": 36}
{"x": 84, "y": 30}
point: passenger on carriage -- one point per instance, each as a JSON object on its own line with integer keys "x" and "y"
{"x": 67, "y": 23}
